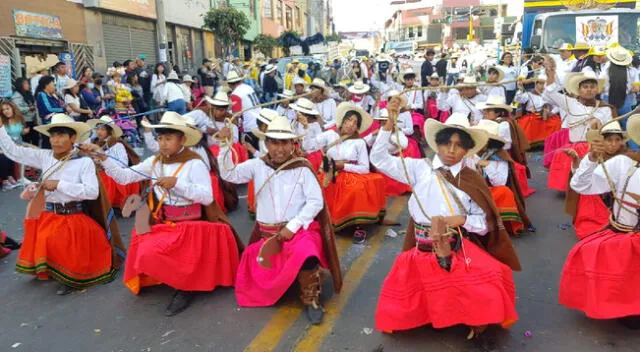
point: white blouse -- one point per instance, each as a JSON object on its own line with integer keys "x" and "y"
{"x": 497, "y": 172}
{"x": 289, "y": 113}
{"x": 293, "y": 196}
{"x": 534, "y": 102}
{"x": 352, "y": 150}
{"x": 415, "y": 99}
{"x": 193, "y": 185}
{"x": 327, "y": 110}
{"x": 78, "y": 180}
{"x": 396, "y": 145}
{"x": 119, "y": 152}
{"x": 457, "y": 103}
{"x": 153, "y": 146}
{"x": 424, "y": 180}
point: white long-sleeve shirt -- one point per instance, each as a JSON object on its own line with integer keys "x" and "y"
{"x": 154, "y": 147}
{"x": 287, "y": 112}
{"x": 292, "y": 196}
{"x": 193, "y": 185}
{"x": 77, "y": 177}
{"x": 590, "y": 178}
{"x": 384, "y": 87}
{"x": 396, "y": 145}
{"x": 534, "y": 102}
{"x": 492, "y": 90}
{"x": 579, "y": 116}
{"x": 452, "y": 100}
{"x": 119, "y": 152}
{"x": 366, "y": 103}
{"x": 405, "y": 123}
{"x": 497, "y": 172}
{"x": 172, "y": 92}
{"x": 510, "y": 74}
{"x": 351, "y": 150}
{"x": 415, "y": 99}
{"x": 327, "y": 109}
{"x": 423, "y": 179}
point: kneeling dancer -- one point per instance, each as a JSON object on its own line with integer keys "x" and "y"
{"x": 289, "y": 207}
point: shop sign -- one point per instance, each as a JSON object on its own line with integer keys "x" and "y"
{"x": 37, "y": 25}
{"x": 5, "y": 76}
{"x": 142, "y": 8}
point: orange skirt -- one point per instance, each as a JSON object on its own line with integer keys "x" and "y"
{"x": 355, "y": 199}
{"x": 72, "y": 249}
{"x": 116, "y": 192}
{"x": 506, "y": 204}
{"x": 536, "y": 129}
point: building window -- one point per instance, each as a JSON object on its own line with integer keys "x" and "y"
{"x": 267, "y": 9}
{"x": 298, "y": 17}
{"x": 410, "y": 32}
{"x": 419, "y": 31}
{"x": 289, "y": 18}
{"x": 279, "y": 11}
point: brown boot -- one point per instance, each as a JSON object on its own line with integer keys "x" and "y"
{"x": 310, "y": 284}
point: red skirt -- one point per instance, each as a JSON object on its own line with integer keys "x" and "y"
{"x": 418, "y": 291}
{"x": 432, "y": 106}
{"x": 600, "y": 276}
{"x": 561, "y": 165}
{"x": 553, "y": 143}
{"x": 188, "y": 256}
{"x": 116, "y": 192}
{"x": 508, "y": 209}
{"x": 355, "y": 199}
{"x": 315, "y": 159}
{"x": 218, "y": 196}
{"x": 536, "y": 129}
{"x": 523, "y": 181}
{"x": 418, "y": 120}
{"x": 260, "y": 287}
{"x": 592, "y": 215}
{"x": 72, "y": 249}
{"x": 238, "y": 155}
{"x": 251, "y": 199}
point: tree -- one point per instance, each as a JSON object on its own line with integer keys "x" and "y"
{"x": 265, "y": 44}
{"x": 229, "y": 25}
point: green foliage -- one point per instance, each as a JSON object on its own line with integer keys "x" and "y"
{"x": 265, "y": 44}
{"x": 229, "y": 25}
{"x": 333, "y": 38}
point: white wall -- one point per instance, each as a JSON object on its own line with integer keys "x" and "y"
{"x": 186, "y": 12}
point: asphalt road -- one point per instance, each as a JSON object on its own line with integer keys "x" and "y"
{"x": 110, "y": 318}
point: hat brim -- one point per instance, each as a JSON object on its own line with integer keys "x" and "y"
{"x": 573, "y": 80}
{"x": 353, "y": 90}
{"x": 344, "y": 108}
{"x": 117, "y": 131}
{"x": 625, "y": 62}
{"x": 485, "y": 106}
{"x": 216, "y": 102}
{"x": 81, "y": 128}
{"x": 324, "y": 89}
{"x": 432, "y": 127}
{"x": 633, "y": 128}
{"x": 192, "y": 134}
{"x": 403, "y": 98}
{"x": 269, "y": 71}
{"x": 238, "y": 79}
{"x": 299, "y": 108}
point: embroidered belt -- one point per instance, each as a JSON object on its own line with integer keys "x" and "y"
{"x": 425, "y": 244}
{"x": 270, "y": 230}
{"x": 69, "y": 208}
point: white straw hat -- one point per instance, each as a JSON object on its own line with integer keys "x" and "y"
{"x": 220, "y": 99}
{"x": 345, "y": 107}
{"x": 70, "y": 84}
{"x": 397, "y": 93}
{"x": 494, "y": 102}
{"x": 297, "y": 80}
{"x": 573, "y": 80}
{"x": 233, "y": 77}
{"x": 633, "y": 128}
{"x": 173, "y": 76}
{"x": 406, "y": 72}
{"x": 267, "y": 115}
{"x": 458, "y": 121}
{"x": 187, "y": 78}
{"x": 500, "y": 72}
{"x": 286, "y": 94}
{"x": 619, "y": 56}
{"x": 280, "y": 128}
{"x": 63, "y": 120}
{"x": 106, "y": 121}
{"x": 492, "y": 128}
{"x": 319, "y": 83}
{"x": 174, "y": 121}
{"x": 359, "y": 88}
{"x": 270, "y": 68}
{"x": 305, "y": 105}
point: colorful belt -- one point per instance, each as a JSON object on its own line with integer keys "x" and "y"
{"x": 270, "y": 230}
{"x": 64, "y": 208}
{"x": 425, "y": 243}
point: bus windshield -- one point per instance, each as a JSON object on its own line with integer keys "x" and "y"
{"x": 562, "y": 29}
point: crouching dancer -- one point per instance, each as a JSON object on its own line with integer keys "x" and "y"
{"x": 289, "y": 206}
{"x": 191, "y": 246}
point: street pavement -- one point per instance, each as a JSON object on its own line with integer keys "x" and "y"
{"x": 110, "y": 318}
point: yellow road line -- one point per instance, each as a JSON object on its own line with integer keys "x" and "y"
{"x": 312, "y": 340}
{"x": 282, "y": 320}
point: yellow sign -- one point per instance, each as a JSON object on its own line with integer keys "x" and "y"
{"x": 142, "y": 8}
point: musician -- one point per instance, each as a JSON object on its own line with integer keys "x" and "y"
{"x": 423, "y": 286}
{"x": 290, "y": 206}
{"x": 354, "y": 196}
{"x": 606, "y": 262}
{"x": 192, "y": 246}
{"x": 74, "y": 241}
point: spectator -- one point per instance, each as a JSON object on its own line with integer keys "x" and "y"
{"x": 187, "y": 82}
{"x": 26, "y": 103}
{"x": 87, "y": 74}
{"x": 103, "y": 91}
{"x": 93, "y": 100}
{"x": 453, "y": 69}
{"x": 48, "y": 104}
{"x": 144, "y": 77}
{"x": 137, "y": 93}
{"x": 16, "y": 127}
{"x": 158, "y": 80}
{"x": 427, "y": 68}
{"x": 123, "y": 96}
{"x": 39, "y": 71}
{"x": 441, "y": 66}
{"x": 79, "y": 108}
{"x": 208, "y": 77}
{"x": 270, "y": 86}
{"x": 197, "y": 92}
{"x": 174, "y": 95}
{"x": 61, "y": 77}
{"x": 129, "y": 69}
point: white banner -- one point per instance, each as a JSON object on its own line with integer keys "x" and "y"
{"x": 599, "y": 31}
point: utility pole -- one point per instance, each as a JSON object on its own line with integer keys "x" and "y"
{"x": 161, "y": 26}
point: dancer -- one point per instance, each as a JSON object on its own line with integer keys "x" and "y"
{"x": 463, "y": 101}
{"x": 542, "y": 119}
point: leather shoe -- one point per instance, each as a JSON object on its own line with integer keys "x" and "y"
{"x": 179, "y": 302}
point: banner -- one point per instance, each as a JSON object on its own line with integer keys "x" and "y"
{"x": 5, "y": 76}
{"x": 598, "y": 31}
{"x": 69, "y": 61}
{"x": 37, "y": 25}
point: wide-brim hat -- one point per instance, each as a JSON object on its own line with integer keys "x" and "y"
{"x": 278, "y": 128}
{"x": 492, "y": 129}
{"x": 286, "y": 94}
{"x": 384, "y": 58}
{"x": 106, "y": 121}
{"x": 573, "y": 80}
{"x": 267, "y": 115}
{"x": 500, "y": 72}
{"x": 458, "y": 121}
{"x": 619, "y": 56}
{"x": 580, "y": 46}
{"x": 70, "y": 84}
{"x": 397, "y": 93}
{"x": 297, "y": 80}
{"x": 305, "y": 106}
{"x": 270, "y": 68}
{"x": 173, "y": 76}
{"x": 174, "y": 121}
{"x": 613, "y": 127}
{"x": 359, "y": 88}
{"x": 434, "y": 76}
{"x": 63, "y": 120}
{"x": 469, "y": 81}
{"x": 319, "y": 83}
{"x": 220, "y": 99}
{"x": 565, "y": 47}
{"x": 187, "y": 78}
{"x": 633, "y": 128}
{"x": 233, "y": 77}
{"x": 406, "y": 72}
{"x": 345, "y": 107}
{"x": 494, "y": 102}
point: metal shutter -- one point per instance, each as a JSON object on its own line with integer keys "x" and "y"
{"x": 124, "y": 42}
{"x": 144, "y": 43}
{"x": 198, "y": 53}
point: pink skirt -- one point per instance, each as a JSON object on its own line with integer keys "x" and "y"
{"x": 560, "y": 170}
{"x": 260, "y": 287}
{"x": 600, "y": 276}
{"x": 418, "y": 292}
{"x": 552, "y": 143}
{"x": 418, "y": 120}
